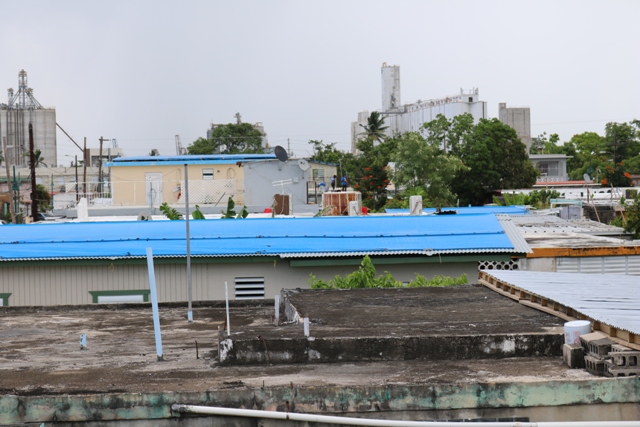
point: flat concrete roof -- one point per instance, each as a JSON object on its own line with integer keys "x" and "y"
{"x": 41, "y": 345}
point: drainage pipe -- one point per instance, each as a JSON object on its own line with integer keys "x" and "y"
{"x": 312, "y": 418}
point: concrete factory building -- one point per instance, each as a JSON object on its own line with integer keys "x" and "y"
{"x": 519, "y": 118}
{"x": 20, "y": 110}
{"x": 409, "y": 117}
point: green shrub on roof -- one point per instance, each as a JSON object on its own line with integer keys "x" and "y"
{"x": 365, "y": 277}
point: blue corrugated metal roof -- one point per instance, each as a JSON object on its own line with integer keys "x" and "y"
{"x": 189, "y": 159}
{"x": 508, "y": 210}
{"x": 285, "y": 237}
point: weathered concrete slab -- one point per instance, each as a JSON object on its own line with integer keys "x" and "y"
{"x": 45, "y": 377}
{"x": 466, "y": 322}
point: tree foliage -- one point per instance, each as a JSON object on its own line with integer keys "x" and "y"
{"x": 496, "y": 159}
{"x": 632, "y": 224}
{"x": 232, "y": 138}
{"x": 169, "y": 212}
{"x": 374, "y": 129}
{"x": 419, "y": 163}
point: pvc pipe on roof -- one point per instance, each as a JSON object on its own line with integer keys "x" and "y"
{"x": 312, "y": 418}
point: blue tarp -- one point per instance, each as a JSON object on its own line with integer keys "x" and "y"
{"x": 292, "y": 237}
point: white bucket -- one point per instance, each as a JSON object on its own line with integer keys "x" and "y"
{"x": 575, "y": 328}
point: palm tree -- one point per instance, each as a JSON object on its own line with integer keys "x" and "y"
{"x": 375, "y": 128}
{"x": 37, "y": 157}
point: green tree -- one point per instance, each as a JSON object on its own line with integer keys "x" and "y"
{"x": 371, "y": 175}
{"x": 449, "y": 135}
{"x": 44, "y": 198}
{"x": 589, "y": 154}
{"x": 38, "y": 159}
{"x": 374, "y": 129}
{"x": 496, "y": 159}
{"x": 232, "y": 138}
{"x": 421, "y": 164}
{"x": 632, "y": 224}
{"x": 623, "y": 140}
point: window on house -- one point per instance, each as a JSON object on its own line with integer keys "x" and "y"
{"x": 207, "y": 174}
{"x": 318, "y": 174}
{"x": 110, "y": 297}
{"x": 548, "y": 168}
{"x": 249, "y": 288}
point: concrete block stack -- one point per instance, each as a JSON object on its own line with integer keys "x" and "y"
{"x": 596, "y": 346}
{"x": 623, "y": 362}
{"x": 603, "y": 357}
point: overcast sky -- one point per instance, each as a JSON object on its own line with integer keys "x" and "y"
{"x": 144, "y": 71}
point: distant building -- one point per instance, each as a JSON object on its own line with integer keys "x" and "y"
{"x": 20, "y": 110}
{"x": 93, "y": 157}
{"x": 552, "y": 167}
{"x": 410, "y": 117}
{"x": 519, "y": 118}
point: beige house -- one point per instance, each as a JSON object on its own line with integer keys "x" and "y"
{"x": 252, "y": 180}
{"x": 153, "y": 180}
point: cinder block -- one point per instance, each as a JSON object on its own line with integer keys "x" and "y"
{"x": 594, "y": 365}
{"x": 615, "y": 372}
{"x": 596, "y": 344}
{"x": 625, "y": 359}
{"x": 619, "y": 347}
{"x": 573, "y": 356}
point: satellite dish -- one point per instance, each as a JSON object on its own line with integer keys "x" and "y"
{"x": 304, "y": 165}
{"x": 587, "y": 178}
{"x": 145, "y": 216}
{"x": 281, "y": 153}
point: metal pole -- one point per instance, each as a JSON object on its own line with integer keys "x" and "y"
{"x": 9, "y": 186}
{"x": 32, "y": 168}
{"x": 154, "y": 304}
{"x": 100, "y": 167}
{"x": 77, "y": 183}
{"x": 84, "y": 177}
{"x": 186, "y": 215}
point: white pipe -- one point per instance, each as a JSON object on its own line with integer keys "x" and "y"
{"x": 312, "y": 418}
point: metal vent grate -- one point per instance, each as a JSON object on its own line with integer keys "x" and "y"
{"x": 249, "y": 288}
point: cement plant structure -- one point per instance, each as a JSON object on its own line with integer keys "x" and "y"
{"x": 409, "y": 117}
{"x": 20, "y": 110}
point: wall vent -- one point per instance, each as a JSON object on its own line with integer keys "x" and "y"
{"x": 249, "y": 288}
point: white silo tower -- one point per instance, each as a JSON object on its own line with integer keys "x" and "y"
{"x": 390, "y": 87}
{"x": 20, "y": 110}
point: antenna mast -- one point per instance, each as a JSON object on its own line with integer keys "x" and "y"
{"x": 179, "y": 149}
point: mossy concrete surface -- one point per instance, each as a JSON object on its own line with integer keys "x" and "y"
{"x": 378, "y": 401}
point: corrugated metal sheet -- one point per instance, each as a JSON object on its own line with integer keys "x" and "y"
{"x": 519, "y": 243}
{"x": 627, "y": 264}
{"x": 286, "y": 237}
{"x": 610, "y": 299}
{"x": 466, "y": 210}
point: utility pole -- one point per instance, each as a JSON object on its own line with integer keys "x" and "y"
{"x": 32, "y": 168}
{"x": 84, "y": 177}
{"x": 77, "y": 183}
{"x": 100, "y": 166}
{"x": 9, "y": 186}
